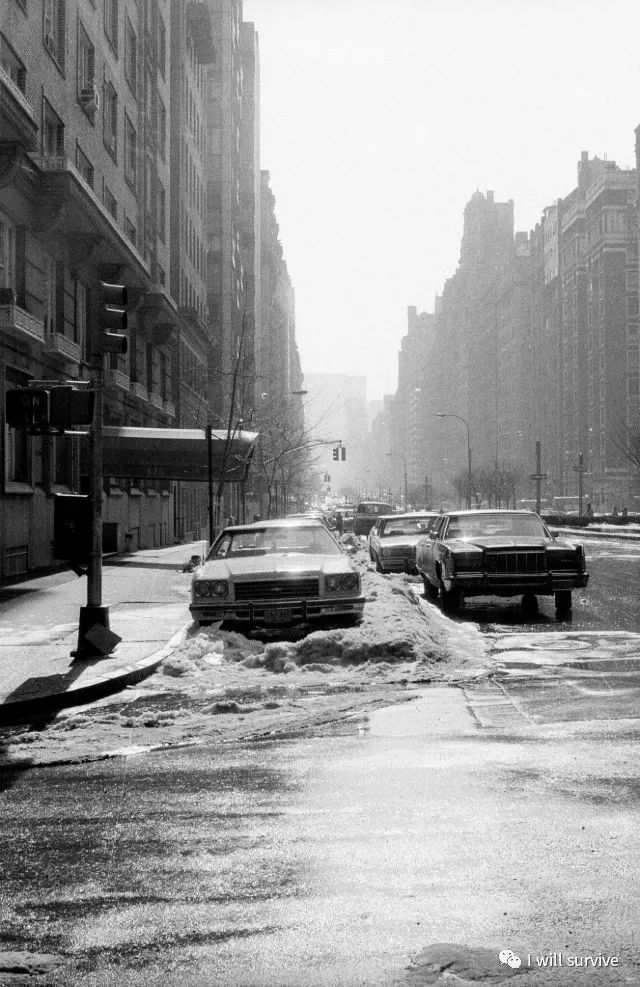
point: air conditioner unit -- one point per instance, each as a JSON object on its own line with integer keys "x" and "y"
{"x": 90, "y": 98}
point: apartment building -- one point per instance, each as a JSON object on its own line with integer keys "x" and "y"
{"x": 83, "y": 86}
{"x": 536, "y": 339}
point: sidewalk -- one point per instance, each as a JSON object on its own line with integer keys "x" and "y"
{"x": 148, "y": 598}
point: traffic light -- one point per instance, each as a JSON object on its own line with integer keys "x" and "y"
{"x": 28, "y": 407}
{"x": 70, "y": 406}
{"x": 113, "y": 318}
{"x": 336, "y": 453}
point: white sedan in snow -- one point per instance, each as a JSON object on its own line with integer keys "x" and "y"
{"x": 276, "y": 573}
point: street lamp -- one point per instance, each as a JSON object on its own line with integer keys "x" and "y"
{"x": 442, "y": 414}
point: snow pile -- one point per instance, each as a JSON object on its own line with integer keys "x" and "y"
{"x": 397, "y": 627}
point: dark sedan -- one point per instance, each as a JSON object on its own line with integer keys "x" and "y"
{"x": 499, "y": 553}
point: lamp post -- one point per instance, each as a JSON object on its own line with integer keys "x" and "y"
{"x": 442, "y": 414}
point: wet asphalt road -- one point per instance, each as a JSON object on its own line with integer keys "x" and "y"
{"x": 330, "y": 857}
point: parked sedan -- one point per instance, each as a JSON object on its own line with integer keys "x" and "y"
{"x": 275, "y": 573}
{"x": 393, "y": 540}
{"x": 499, "y": 553}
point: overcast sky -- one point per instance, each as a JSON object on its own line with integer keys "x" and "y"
{"x": 380, "y": 118}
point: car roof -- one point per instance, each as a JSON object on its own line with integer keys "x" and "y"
{"x": 488, "y": 510}
{"x": 409, "y": 514}
{"x": 288, "y": 522}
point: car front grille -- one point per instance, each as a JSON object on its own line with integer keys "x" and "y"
{"x": 515, "y": 563}
{"x": 277, "y": 589}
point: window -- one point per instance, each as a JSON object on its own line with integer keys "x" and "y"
{"x": 7, "y": 253}
{"x": 111, "y": 22}
{"x": 162, "y": 211}
{"x": 54, "y": 29}
{"x": 110, "y": 203}
{"x": 12, "y": 65}
{"x": 110, "y": 120}
{"x": 17, "y": 465}
{"x": 131, "y": 55}
{"x": 52, "y": 132}
{"x": 162, "y": 46}
{"x": 162, "y": 128}
{"x": 130, "y": 151}
{"x": 87, "y": 89}
{"x": 130, "y": 230}
{"x": 84, "y": 166}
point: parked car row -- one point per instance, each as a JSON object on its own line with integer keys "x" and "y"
{"x": 282, "y": 572}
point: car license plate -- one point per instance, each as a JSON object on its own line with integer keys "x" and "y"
{"x": 278, "y": 616}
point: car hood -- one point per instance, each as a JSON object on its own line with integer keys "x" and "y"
{"x": 502, "y": 541}
{"x": 274, "y": 566}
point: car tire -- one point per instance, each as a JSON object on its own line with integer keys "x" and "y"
{"x": 430, "y": 591}
{"x": 451, "y": 599}
{"x": 563, "y": 602}
{"x": 378, "y": 564}
{"x": 529, "y": 603}
{"x": 204, "y": 623}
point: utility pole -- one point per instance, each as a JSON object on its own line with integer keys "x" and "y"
{"x": 580, "y": 470}
{"x": 538, "y": 476}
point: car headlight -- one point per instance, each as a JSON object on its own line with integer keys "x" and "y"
{"x": 206, "y": 587}
{"x": 351, "y": 581}
{"x": 467, "y": 562}
{"x": 333, "y": 582}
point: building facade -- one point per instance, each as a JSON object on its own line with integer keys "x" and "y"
{"x": 129, "y": 153}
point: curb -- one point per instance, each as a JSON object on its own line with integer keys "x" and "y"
{"x": 25, "y": 709}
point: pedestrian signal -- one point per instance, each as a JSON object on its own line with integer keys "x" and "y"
{"x": 27, "y": 407}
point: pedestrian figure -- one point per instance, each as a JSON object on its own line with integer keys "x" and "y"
{"x": 589, "y": 512}
{"x": 625, "y": 514}
{"x": 339, "y": 523}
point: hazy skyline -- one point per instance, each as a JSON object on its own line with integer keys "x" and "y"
{"x": 379, "y": 120}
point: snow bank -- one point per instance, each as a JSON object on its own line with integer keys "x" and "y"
{"x": 397, "y": 627}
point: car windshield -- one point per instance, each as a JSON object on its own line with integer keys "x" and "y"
{"x": 487, "y": 525}
{"x": 395, "y": 527}
{"x": 309, "y": 539}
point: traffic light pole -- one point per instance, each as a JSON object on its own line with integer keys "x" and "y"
{"x": 95, "y": 639}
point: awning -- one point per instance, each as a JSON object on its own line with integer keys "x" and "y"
{"x": 176, "y": 453}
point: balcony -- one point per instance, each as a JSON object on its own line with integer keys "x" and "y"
{"x": 169, "y": 409}
{"x": 18, "y": 120}
{"x": 68, "y": 206}
{"x": 138, "y": 390}
{"x": 116, "y": 378}
{"x": 20, "y": 324}
{"x": 61, "y": 346}
{"x": 156, "y": 401}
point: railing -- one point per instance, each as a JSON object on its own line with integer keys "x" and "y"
{"x": 138, "y": 390}
{"x": 15, "y": 319}
{"x": 169, "y": 409}
{"x": 62, "y": 346}
{"x": 17, "y": 93}
{"x": 156, "y": 401}
{"x": 117, "y": 379}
